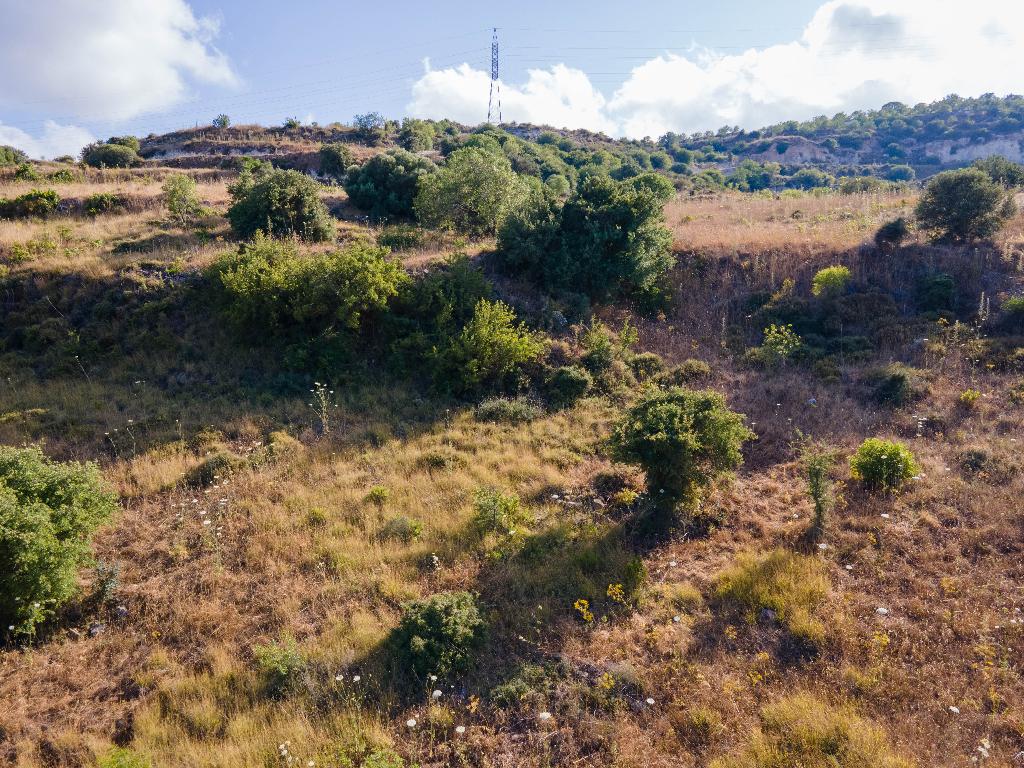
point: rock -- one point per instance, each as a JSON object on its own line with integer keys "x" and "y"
{"x": 97, "y": 628}
{"x": 121, "y": 612}
{"x": 767, "y": 615}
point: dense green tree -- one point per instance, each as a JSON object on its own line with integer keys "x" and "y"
{"x": 335, "y": 160}
{"x": 279, "y": 203}
{"x": 11, "y": 156}
{"x": 385, "y": 186}
{"x": 1002, "y": 171}
{"x": 417, "y": 135}
{"x": 964, "y": 205}
{"x": 110, "y": 156}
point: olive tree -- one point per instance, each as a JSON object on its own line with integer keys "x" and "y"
{"x": 964, "y": 205}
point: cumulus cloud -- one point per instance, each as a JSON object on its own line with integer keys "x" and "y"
{"x": 56, "y": 140}
{"x": 853, "y": 54}
{"x": 110, "y": 60}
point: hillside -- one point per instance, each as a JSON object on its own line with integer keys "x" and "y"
{"x": 320, "y": 443}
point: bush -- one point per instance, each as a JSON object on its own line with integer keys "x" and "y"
{"x": 221, "y": 121}
{"x": 830, "y": 281}
{"x": 892, "y": 233}
{"x": 566, "y": 385}
{"x": 11, "y": 155}
{"x": 438, "y": 635}
{"x": 385, "y": 185}
{"x": 25, "y": 172}
{"x": 473, "y": 193}
{"x": 687, "y": 372}
{"x": 490, "y": 352}
{"x": 503, "y": 410}
{"x": 335, "y": 160}
{"x": 883, "y": 465}
{"x": 63, "y": 176}
{"x": 781, "y": 343}
{"x": 936, "y": 293}
{"x": 48, "y": 513}
{"x": 497, "y": 512}
{"x": 279, "y": 203}
{"x": 401, "y": 528}
{"x": 1002, "y": 171}
{"x": 895, "y": 385}
{"x": 180, "y": 198}
{"x": 682, "y": 439}
{"x": 270, "y": 286}
{"x": 281, "y": 665}
{"x": 131, "y": 142}
{"x": 607, "y": 240}
{"x": 38, "y": 203}
{"x": 964, "y": 205}
{"x": 103, "y": 202}
{"x": 901, "y": 173}
{"x": 108, "y": 155}
{"x": 790, "y": 585}
{"x": 646, "y": 365}
{"x": 801, "y": 730}
{"x": 400, "y": 237}
{"x": 416, "y": 135}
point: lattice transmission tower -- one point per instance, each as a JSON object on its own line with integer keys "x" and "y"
{"x": 495, "y": 83}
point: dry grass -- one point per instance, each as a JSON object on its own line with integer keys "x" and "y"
{"x": 294, "y": 548}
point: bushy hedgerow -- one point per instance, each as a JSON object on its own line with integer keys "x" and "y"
{"x": 107, "y": 155}
{"x": 11, "y": 156}
{"x": 104, "y": 202}
{"x": 883, "y": 465}
{"x": 473, "y": 192}
{"x": 269, "y": 286}
{"x": 607, "y": 240}
{"x": 48, "y": 513}
{"x": 335, "y": 160}
{"x": 279, "y": 203}
{"x": 964, "y": 205}
{"x": 682, "y": 439}
{"x": 38, "y": 203}
{"x": 385, "y": 186}
{"x": 491, "y": 352}
{"x": 438, "y": 635}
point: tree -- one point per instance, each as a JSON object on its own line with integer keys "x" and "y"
{"x": 964, "y": 205}
{"x": 11, "y": 155}
{"x": 385, "y": 185}
{"x": 416, "y": 135}
{"x": 473, "y": 192}
{"x": 48, "y": 513}
{"x": 901, "y": 173}
{"x": 607, "y": 240}
{"x": 107, "y": 155}
{"x": 683, "y": 440}
{"x": 335, "y": 160}
{"x": 1002, "y": 171}
{"x": 180, "y": 198}
{"x": 221, "y": 121}
{"x": 371, "y": 127}
{"x": 279, "y": 203}
{"x": 131, "y": 142}
{"x": 809, "y": 178}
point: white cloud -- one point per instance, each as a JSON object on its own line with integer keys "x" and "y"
{"x": 107, "y": 60}
{"x": 853, "y": 54}
{"x": 56, "y": 140}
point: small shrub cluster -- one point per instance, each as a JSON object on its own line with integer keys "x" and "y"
{"x": 883, "y": 465}
{"x": 505, "y": 410}
{"x": 566, "y": 384}
{"x": 11, "y": 156}
{"x": 830, "y": 281}
{"x": 38, "y": 203}
{"x": 497, "y": 511}
{"x": 104, "y": 202}
{"x": 438, "y": 635}
{"x": 278, "y": 203}
{"x": 281, "y": 664}
{"x": 180, "y": 198}
{"x": 48, "y": 513}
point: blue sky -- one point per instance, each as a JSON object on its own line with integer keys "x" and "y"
{"x": 71, "y": 71}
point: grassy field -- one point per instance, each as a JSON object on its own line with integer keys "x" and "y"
{"x": 249, "y": 517}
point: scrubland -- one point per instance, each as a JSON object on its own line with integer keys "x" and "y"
{"x": 253, "y": 517}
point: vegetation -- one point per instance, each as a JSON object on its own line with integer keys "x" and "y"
{"x": 385, "y": 186}
{"x": 111, "y": 155}
{"x": 48, "y": 513}
{"x": 883, "y": 465}
{"x": 11, "y": 156}
{"x": 180, "y": 198}
{"x": 39, "y": 203}
{"x": 964, "y": 205}
{"x": 439, "y": 635}
{"x": 335, "y": 160}
{"x": 830, "y": 281}
{"x": 278, "y": 203}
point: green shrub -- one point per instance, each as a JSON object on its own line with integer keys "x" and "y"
{"x": 38, "y": 203}
{"x": 400, "y": 237}
{"x": 270, "y": 286}
{"x": 936, "y": 293}
{"x": 107, "y": 155}
{"x": 490, "y": 353}
{"x": 801, "y": 730}
{"x": 25, "y": 172}
{"x": 281, "y": 665}
{"x": 607, "y": 240}
{"x": 473, "y": 192}
{"x": 830, "y": 281}
{"x": 63, "y": 176}
{"x": 439, "y": 634}
{"x": 781, "y": 343}
{"x": 964, "y": 205}
{"x": 11, "y": 155}
{"x": 278, "y": 203}
{"x": 504, "y": 410}
{"x": 682, "y": 439}
{"x": 901, "y": 173}
{"x": 790, "y": 585}
{"x": 496, "y": 511}
{"x": 1014, "y": 306}
{"x": 1002, "y": 171}
{"x": 892, "y": 233}
{"x": 221, "y": 121}
{"x": 401, "y": 528}
{"x": 895, "y": 385}
{"x": 883, "y": 465}
{"x": 48, "y": 513}
{"x": 217, "y": 466}
{"x": 335, "y": 160}
{"x": 687, "y": 372}
{"x": 818, "y": 462}
{"x": 103, "y": 202}
{"x": 646, "y": 365}
{"x": 416, "y": 135}
{"x": 131, "y": 142}
{"x": 385, "y": 185}
{"x": 566, "y": 385}
{"x": 180, "y": 198}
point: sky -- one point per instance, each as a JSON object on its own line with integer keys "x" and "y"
{"x": 72, "y": 71}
